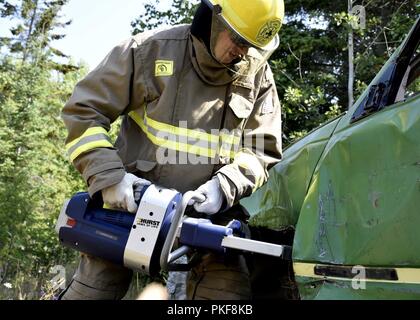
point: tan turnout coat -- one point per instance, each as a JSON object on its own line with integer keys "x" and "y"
{"x": 173, "y": 116}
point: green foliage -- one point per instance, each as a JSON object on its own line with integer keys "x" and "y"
{"x": 180, "y": 12}
{"x": 311, "y": 64}
{"x": 35, "y": 174}
{"x": 34, "y": 31}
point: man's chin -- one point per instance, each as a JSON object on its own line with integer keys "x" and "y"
{"x": 226, "y": 61}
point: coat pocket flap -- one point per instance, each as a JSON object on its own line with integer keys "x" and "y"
{"x": 240, "y": 106}
{"x": 145, "y": 166}
{"x": 141, "y": 165}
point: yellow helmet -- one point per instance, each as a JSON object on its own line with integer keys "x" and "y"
{"x": 257, "y": 21}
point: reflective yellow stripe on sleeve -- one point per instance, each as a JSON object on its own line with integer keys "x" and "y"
{"x": 89, "y": 132}
{"x": 90, "y": 146}
{"x": 95, "y": 137}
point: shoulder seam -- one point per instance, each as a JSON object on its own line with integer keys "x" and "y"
{"x": 161, "y": 34}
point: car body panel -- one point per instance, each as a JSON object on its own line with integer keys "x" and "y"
{"x": 361, "y": 207}
{"x": 351, "y": 188}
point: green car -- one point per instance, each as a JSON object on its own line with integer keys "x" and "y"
{"x": 350, "y": 193}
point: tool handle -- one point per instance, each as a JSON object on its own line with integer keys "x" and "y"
{"x": 176, "y": 221}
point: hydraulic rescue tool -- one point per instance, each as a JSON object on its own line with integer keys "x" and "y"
{"x": 144, "y": 241}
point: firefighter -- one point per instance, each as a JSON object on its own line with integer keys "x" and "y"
{"x": 199, "y": 111}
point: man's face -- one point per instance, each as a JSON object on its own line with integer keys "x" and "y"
{"x": 226, "y": 50}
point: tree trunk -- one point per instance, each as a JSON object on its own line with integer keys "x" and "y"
{"x": 31, "y": 26}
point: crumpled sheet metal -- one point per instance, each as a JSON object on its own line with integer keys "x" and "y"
{"x": 277, "y": 204}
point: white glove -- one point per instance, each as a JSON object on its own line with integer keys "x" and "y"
{"x": 214, "y": 197}
{"x": 121, "y": 195}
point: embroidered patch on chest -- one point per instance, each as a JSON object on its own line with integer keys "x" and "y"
{"x": 164, "y": 68}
